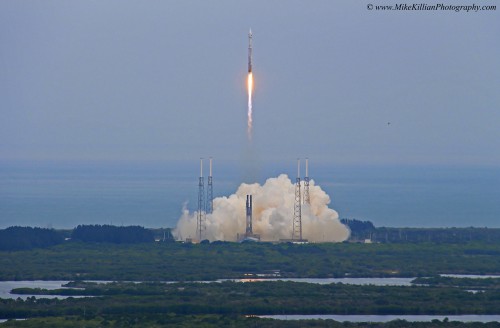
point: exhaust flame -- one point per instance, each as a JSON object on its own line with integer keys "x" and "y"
{"x": 250, "y": 89}
{"x": 273, "y": 206}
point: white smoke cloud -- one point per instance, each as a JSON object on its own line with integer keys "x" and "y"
{"x": 273, "y": 207}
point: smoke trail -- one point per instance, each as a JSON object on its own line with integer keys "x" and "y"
{"x": 273, "y": 205}
{"x": 250, "y": 89}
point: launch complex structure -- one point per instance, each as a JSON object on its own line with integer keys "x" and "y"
{"x": 300, "y": 200}
{"x": 206, "y": 207}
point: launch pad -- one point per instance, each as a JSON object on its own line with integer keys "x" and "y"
{"x": 223, "y": 220}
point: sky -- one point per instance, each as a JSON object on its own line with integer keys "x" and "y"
{"x": 166, "y": 80}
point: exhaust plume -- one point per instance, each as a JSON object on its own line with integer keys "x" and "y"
{"x": 273, "y": 206}
{"x": 250, "y": 89}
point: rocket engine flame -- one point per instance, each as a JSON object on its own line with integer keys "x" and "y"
{"x": 249, "y": 114}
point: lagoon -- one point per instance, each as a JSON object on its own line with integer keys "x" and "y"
{"x": 7, "y": 286}
{"x": 347, "y": 281}
{"x": 387, "y": 318}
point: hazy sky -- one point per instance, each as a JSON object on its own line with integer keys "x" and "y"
{"x": 161, "y": 80}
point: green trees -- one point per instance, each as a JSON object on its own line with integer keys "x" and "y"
{"x": 21, "y": 238}
{"x": 258, "y": 298}
{"x": 25, "y": 238}
{"x": 112, "y": 234}
{"x": 183, "y": 262}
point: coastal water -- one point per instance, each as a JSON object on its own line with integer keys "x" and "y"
{"x": 381, "y": 318}
{"x": 7, "y": 286}
{"x": 386, "y": 318}
{"x": 65, "y": 194}
{"x": 470, "y": 276}
{"x": 346, "y": 281}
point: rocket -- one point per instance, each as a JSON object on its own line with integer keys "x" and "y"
{"x": 249, "y": 231}
{"x": 250, "y": 51}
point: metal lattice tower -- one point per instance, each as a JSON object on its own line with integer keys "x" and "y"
{"x": 307, "y": 200}
{"x": 200, "y": 223}
{"x": 297, "y": 213}
{"x": 210, "y": 192}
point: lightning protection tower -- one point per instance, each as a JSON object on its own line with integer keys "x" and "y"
{"x": 210, "y": 192}
{"x": 307, "y": 200}
{"x": 297, "y": 213}
{"x": 200, "y": 223}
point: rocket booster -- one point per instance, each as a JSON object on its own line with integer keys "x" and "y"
{"x": 250, "y": 51}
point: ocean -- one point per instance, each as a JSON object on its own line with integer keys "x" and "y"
{"x": 152, "y": 194}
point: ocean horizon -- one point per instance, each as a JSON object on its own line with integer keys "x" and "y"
{"x": 65, "y": 194}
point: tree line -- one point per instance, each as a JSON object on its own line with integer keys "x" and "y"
{"x": 25, "y": 238}
{"x": 366, "y": 230}
{"x": 112, "y": 234}
{"x": 22, "y": 238}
